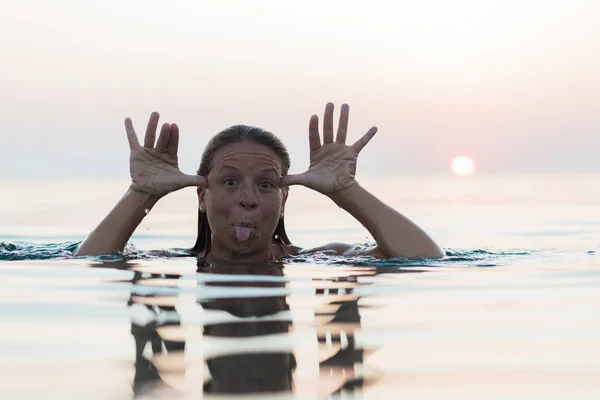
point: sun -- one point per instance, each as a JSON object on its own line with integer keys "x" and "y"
{"x": 462, "y": 166}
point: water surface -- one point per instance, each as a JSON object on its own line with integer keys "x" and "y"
{"x": 511, "y": 312}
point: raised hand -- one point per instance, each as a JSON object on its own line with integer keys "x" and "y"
{"x": 153, "y": 167}
{"x": 332, "y": 164}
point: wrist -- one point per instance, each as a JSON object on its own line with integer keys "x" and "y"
{"x": 343, "y": 196}
{"x": 143, "y": 200}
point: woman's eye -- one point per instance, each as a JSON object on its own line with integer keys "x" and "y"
{"x": 229, "y": 181}
{"x": 266, "y": 185}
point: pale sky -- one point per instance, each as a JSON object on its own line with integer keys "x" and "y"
{"x": 513, "y": 84}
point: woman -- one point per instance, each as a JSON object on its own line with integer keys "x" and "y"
{"x": 242, "y": 189}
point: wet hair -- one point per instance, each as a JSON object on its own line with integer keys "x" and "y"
{"x": 236, "y": 134}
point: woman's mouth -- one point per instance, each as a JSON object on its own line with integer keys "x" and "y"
{"x": 243, "y": 230}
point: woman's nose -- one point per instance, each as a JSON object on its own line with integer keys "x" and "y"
{"x": 248, "y": 199}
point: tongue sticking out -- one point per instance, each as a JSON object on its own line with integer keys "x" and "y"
{"x": 242, "y": 233}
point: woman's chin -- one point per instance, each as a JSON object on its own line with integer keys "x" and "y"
{"x": 245, "y": 247}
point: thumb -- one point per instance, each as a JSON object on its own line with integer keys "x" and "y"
{"x": 193, "y": 180}
{"x": 296, "y": 179}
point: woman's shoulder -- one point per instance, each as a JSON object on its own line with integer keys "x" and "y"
{"x": 288, "y": 250}
{"x": 342, "y": 249}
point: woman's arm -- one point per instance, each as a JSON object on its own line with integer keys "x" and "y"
{"x": 395, "y": 234}
{"x": 154, "y": 173}
{"x": 113, "y": 233}
{"x": 332, "y": 172}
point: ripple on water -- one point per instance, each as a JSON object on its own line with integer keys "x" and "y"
{"x": 312, "y": 327}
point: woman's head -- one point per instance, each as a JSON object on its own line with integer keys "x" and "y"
{"x": 241, "y": 211}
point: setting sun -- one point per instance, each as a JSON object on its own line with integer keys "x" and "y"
{"x": 462, "y": 166}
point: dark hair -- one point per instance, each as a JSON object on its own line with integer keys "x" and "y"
{"x": 236, "y": 134}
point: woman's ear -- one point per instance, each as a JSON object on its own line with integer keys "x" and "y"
{"x": 201, "y": 202}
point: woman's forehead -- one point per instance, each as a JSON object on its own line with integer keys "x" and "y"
{"x": 246, "y": 154}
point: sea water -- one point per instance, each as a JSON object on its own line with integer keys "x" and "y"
{"x": 510, "y": 312}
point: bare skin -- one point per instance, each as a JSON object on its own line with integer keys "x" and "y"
{"x": 155, "y": 173}
{"x": 243, "y": 195}
{"x": 332, "y": 172}
{"x": 154, "y": 167}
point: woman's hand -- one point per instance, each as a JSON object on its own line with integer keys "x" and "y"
{"x": 153, "y": 167}
{"x": 332, "y": 167}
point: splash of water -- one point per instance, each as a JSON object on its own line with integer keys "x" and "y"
{"x": 11, "y": 251}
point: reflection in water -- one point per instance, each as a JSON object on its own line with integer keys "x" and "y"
{"x": 255, "y": 371}
{"x": 146, "y": 336}
{"x": 344, "y": 366}
{"x": 244, "y": 339}
{"x": 521, "y": 331}
{"x": 241, "y": 372}
{"x": 341, "y": 366}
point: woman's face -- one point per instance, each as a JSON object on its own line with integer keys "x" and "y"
{"x": 243, "y": 201}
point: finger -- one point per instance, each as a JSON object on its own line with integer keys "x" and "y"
{"x": 343, "y": 124}
{"x": 131, "y": 136}
{"x": 314, "y": 140}
{"x": 163, "y": 138}
{"x": 362, "y": 142}
{"x": 328, "y": 124}
{"x": 151, "y": 130}
{"x": 193, "y": 180}
{"x": 289, "y": 180}
{"x": 173, "y": 144}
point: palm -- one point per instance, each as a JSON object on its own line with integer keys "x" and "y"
{"x": 153, "y": 167}
{"x": 332, "y": 168}
{"x": 332, "y": 164}
{"x": 152, "y": 172}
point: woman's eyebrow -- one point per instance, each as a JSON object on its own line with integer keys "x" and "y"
{"x": 270, "y": 170}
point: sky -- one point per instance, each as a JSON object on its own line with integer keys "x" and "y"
{"x": 513, "y": 84}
